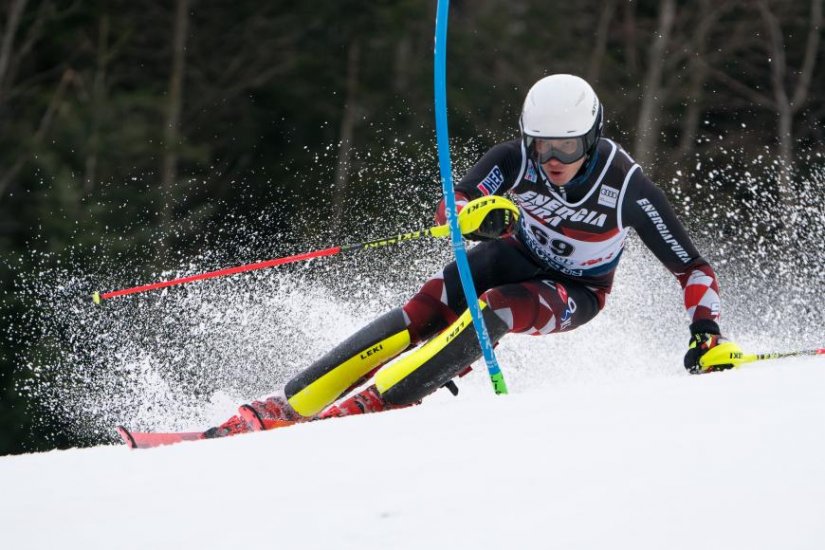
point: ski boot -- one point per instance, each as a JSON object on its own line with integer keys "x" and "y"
{"x": 367, "y": 401}
{"x": 234, "y": 426}
{"x": 272, "y": 412}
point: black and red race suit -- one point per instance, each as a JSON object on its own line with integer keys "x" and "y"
{"x": 555, "y": 272}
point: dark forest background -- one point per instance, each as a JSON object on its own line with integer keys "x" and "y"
{"x": 147, "y": 124}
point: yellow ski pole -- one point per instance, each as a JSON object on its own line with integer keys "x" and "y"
{"x": 728, "y": 353}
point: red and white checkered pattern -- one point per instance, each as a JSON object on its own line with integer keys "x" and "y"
{"x": 701, "y": 293}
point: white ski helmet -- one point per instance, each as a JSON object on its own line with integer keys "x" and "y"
{"x": 561, "y": 119}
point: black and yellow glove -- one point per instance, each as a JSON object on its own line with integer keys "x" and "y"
{"x": 704, "y": 337}
{"x": 497, "y": 223}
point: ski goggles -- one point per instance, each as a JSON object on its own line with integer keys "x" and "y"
{"x": 564, "y": 150}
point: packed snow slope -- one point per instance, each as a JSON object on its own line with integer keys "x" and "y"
{"x": 723, "y": 461}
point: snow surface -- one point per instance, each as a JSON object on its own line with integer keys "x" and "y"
{"x": 730, "y": 460}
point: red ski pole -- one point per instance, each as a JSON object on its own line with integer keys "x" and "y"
{"x": 437, "y": 231}
{"x": 470, "y": 219}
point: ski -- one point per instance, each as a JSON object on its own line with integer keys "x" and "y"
{"x": 367, "y": 401}
{"x": 148, "y": 440}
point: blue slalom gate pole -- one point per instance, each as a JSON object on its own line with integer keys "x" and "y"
{"x": 445, "y": 166}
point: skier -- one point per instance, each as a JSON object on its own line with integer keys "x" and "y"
{"x": 547, "y": 269}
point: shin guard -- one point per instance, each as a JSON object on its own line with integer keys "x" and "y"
{"x": 423, "y": 371}
{"x": 343, "y": 367}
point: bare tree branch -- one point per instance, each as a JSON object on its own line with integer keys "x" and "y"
{"x": 596, "y": 56}
{"x": 777, "y": 49}
{"x": 811, "y": 49}
{"x": 45, "y": 123}
{"x": 171, "y": 128}
{"x": 348, "y": 121}
{"x": 12, "y": 24}
{"x": 647, "y": 127}
{"x": 742, "y": 89}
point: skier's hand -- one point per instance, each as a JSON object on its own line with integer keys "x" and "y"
{"x": 497, "y": 223}
{"x": 705, "y": 336}
{"x": 483, "y": 218}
